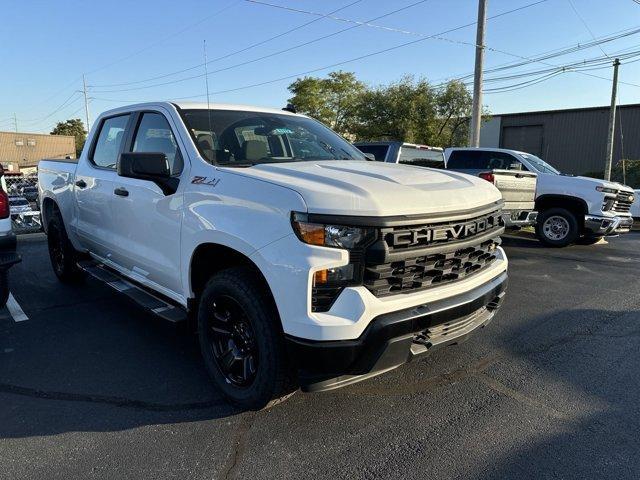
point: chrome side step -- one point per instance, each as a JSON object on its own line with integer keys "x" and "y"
{"x": 142, "y": 297}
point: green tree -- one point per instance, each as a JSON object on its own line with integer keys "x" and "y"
{"x": 332, "y": 100}
{"x": 453, "y": 109}
{"x": 73, "y": 127}
{"x": 408, "y": 110}
{"x": 400, "y": 111}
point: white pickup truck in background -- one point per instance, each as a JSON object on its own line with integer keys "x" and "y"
{"x": 571, "y": 208}
{"x": 299, "y": 261}
{"x": 518, "y": 188}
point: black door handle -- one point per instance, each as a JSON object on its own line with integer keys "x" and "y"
{"x": 123, "y": 192}
{"x": 81, "y": 183}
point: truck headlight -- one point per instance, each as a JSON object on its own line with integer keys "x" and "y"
{"x": 328, "y": 283}
{"x": 602, "y": 189}
{"x": 328, "y": 235}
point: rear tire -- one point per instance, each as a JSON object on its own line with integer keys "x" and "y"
{"x": 64, "y": 258}
{"x": 241, "y": 340}
{"x": 557, "y": 227}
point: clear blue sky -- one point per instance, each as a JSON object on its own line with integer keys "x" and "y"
{"x": 47, "y": 46}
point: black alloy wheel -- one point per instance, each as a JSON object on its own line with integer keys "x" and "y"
{"x": 232, "y": 341}
{"x": 56, "y": 250}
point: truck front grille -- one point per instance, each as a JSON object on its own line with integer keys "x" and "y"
{"x": 622, "y": 203}
{"x": 421, "y": 272}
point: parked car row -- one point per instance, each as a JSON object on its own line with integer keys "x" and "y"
{"x": 563, "y": 208}
{"x": 300, "y": 261}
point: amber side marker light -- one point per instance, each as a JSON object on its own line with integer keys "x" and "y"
{"x": 310, "y": 233}
{"x": 321, "y": 277}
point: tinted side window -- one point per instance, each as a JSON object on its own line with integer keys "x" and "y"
{"x": 499, "y": 160}
{"x": 467, "y": 160}
{"x": 480, "y": 160}
{"x": 154, "y": 135}
{"x": 379, "y": 152}
{"x": 107, "y": 149}
{"x": 421, "y": 157}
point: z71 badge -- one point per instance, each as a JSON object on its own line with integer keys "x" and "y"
{"x": 197, "y": 180}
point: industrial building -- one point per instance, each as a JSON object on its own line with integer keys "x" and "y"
{"x": 23, "y": 151}
{"x": 573, "y": 140}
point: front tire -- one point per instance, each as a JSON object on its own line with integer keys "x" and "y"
{"x": 241, "y": 340}
{"x": 557, "y": 227}
{"x": 64, "y": 258}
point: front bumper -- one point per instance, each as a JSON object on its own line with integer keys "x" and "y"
{"x": 519, "y": 218}
{"x": 601, "y": 226}
{"x": 395, "y": 338}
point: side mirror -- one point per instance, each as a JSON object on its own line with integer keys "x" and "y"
{"x": 515, "y": 166}
{"x": 144, "y": 165}
{"x": 370, "y": 156}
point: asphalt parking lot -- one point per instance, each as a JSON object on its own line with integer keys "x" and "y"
{"x": 93, "y": 387}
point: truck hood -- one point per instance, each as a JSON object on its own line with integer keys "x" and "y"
{"x": 598, "y": 181}
{"x": 353, "y": 187}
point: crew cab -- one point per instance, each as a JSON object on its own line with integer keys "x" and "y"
{"x": 570, "y": 208}
{"x": 299, "y": 262}
{"x": 517, "y": 188}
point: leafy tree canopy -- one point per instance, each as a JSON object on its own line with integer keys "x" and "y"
{"x": 408, "y": 110}
{"x": 73, "y": 127}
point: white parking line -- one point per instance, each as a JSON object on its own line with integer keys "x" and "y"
{"x": 15, "y": 310}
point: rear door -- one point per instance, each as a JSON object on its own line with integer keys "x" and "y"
{"x": 94, "y": 186}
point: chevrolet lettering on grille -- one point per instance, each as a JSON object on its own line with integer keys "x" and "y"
{"x": 425, "y": 234}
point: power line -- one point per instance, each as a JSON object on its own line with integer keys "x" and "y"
{"x": 271, "y": 55}
{"x": 227, "y": 55}
{"x": 573, "y": 7}
{"x": 174, "y": 34}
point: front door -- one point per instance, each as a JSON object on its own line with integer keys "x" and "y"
{"x": 147, "y": 221}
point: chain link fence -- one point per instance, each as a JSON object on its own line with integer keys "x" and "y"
{"x": 23, "y": 203}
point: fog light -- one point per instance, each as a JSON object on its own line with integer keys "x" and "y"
{"x": 334, "y": 276}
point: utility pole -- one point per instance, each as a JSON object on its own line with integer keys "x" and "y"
{"x": 476, "y": 113}
{"x": 86, "y": 100}
{"x": 612, "y": 121}
{"x": 15, "y": 122}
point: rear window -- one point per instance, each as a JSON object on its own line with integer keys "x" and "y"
{"x": 480, "y": 160}
{"x": 378, "y": 151}
{"x": 18, "y": 202}
{"x": 421, "y": 157}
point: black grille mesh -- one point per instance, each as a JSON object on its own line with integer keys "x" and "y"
{"x": 426, "y": 271}
{"x": 622, "y": 204}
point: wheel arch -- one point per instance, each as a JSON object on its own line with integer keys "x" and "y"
{"x": 49, "y": 207}
{"x": 209, "y": 258}
{"x": 575, "y": 205}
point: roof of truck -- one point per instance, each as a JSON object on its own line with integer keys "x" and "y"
{"x": 201, "y": 106}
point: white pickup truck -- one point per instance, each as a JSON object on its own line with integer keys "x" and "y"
{"x": 571, "y": 208}
{"x": 299, "y": 262}
{"x": 518, "y": 188}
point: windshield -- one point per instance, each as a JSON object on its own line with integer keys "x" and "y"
{"x": 538, "y": 164}
{"x": 241, "y": 139}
